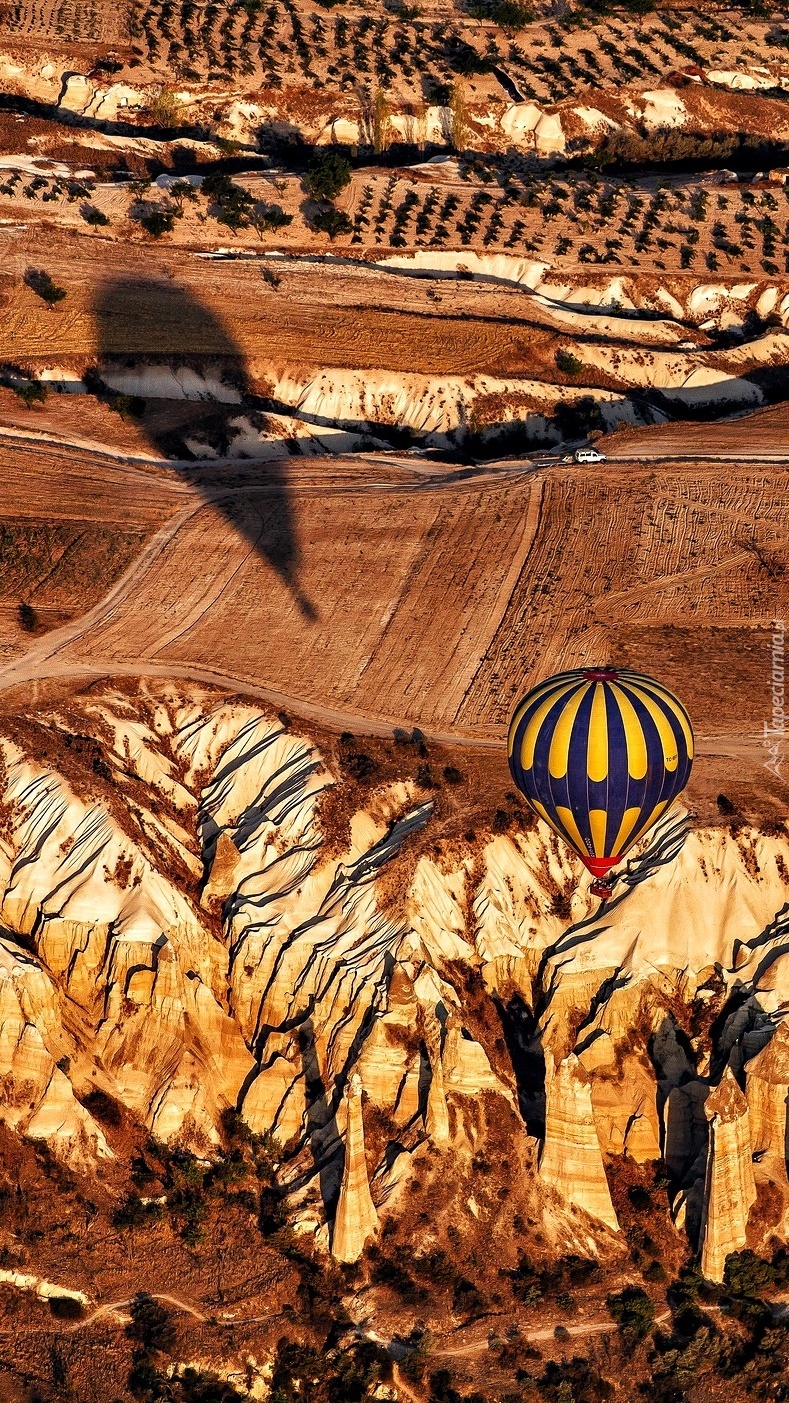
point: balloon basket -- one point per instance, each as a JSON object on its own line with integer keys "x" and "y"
{"x": 601, "y": 888}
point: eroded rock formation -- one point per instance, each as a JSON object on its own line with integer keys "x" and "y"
{"x": 730, "y": 1188}
{"x": 188, "y": 928}
{"x": 571, "y": 1160}
{"x": 767, "y": 1089}
{"x": 356, "y": 1220}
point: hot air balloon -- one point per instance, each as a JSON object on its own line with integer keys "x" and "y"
{"x": 600, "y": 753}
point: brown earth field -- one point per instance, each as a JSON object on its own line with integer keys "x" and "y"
{"x": 67, "y": 533}
{"x": 762, "y": 431}
{"x": 123, "y": 300}
{"x": 371, "y": 594}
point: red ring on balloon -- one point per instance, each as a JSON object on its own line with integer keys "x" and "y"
{"x": 600, "y": 674}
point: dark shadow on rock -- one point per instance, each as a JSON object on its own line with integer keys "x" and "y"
{"x": 149, "y": 323}
{"x": 326, "y": 1147}
{"x": 524, "y": 1046}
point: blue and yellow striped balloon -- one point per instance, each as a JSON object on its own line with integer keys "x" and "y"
{"x": 599, "y": 753}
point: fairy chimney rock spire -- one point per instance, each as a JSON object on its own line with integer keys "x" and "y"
{"x": 356, "y": 1220}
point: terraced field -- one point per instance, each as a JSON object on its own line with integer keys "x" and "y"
{"x": 492, "y": 204}
{"x": 66, "y": 21}
{"x": 311, "y": 312}
{"x": 279, "y": 41}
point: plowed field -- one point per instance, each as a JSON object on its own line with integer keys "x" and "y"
{"x": 378, "y": 595}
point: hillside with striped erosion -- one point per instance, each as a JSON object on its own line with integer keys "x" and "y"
{"x": 365, "y": 364}
{"x": 219, "y": 923}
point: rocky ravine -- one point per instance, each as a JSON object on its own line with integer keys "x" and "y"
{"x": 201, "y": 911}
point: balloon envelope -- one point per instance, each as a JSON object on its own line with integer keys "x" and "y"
{"x": 600, "y": 753}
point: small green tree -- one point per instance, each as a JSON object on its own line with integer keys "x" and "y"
{"x": 458, "y": 117}
{"x": 510, "y": 14}
{"x": 633, "y": 1311}
{"x": 382, "y": 122}
{"x": 567, "y": 362}
{"x": 332, "y": 221}
{"x": 265, "y": 218}
{"x": 157, "y": 222}
{"x": 180, "y": 192}
{"x": 164, "y": 108}
{"x": 234, "y": 203}
{"x": 28, "y": 618}
{"x": 327, "y": 175}
{"x": 94, "y": 216}
{"x": 30, "y": 392}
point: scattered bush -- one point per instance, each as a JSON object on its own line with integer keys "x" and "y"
{"x": 413, "y": 1364}
{"x": 28, "y": 618}
{"x": 345, "y": 1376}
{"x": 387, "y": 1271}
{"x": 128, "y": 406}
{"x": 271, "y": 1213}
{"x": 578, "y": 418}
{"x": 133, "y": 1213}
{"x": 103, "y": 1108}
{"x": 745, "y": 1274}
{"x": 633, "y": 1311}
{"x": 151, "y": 1325}
{"x": 441, "y": 1389}
{"x": 66, "y": 1307}
{"x": 42, "y": 285}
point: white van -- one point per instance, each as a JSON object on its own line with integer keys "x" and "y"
{"x": 588, "y": 455}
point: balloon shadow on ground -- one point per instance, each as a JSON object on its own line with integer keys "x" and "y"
{"x": 153, "y": 335}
